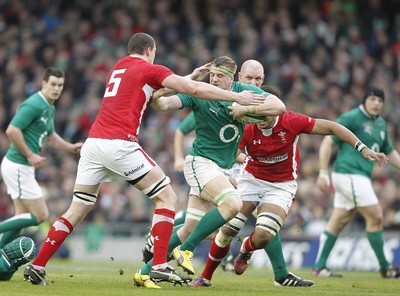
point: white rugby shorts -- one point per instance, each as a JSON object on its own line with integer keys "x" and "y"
{"x": 20, "y": 180}
{"x": 260, "y": 191}
{"x": 199, "y": 171}
{"x": 103, "y": 160}
{"x": 353, "y": 191}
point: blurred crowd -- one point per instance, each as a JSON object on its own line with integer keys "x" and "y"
{"x": 321, "y": 55}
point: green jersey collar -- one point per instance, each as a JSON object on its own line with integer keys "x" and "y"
{"x": 44, "y": 98}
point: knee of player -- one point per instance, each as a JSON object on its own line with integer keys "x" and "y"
{"x": 230, "y": 200}
{"x": 234, "y": 225}
{"x": 211, "y": 236}
{"x": 161, "y": 191}
{"x": 268, "y": 225}
{"x": 375, "y": 221}
{"x": 226, "y": 230}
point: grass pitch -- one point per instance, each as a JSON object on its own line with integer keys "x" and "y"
{"x": 115, "y": 278}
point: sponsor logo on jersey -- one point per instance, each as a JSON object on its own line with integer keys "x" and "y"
{"x": 44, "y": 119}
{"x": 256, "y": 142}
{"x": 134, "y": 170}
{"x": 215, "y": 111}
{"x": 273, "y": 159}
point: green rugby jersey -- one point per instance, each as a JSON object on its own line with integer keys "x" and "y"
{"x": 372, "y": 132}
{"x": 217, "y": 133}
{"x": 35, "y": 118}
{"x": 188, "y": 124}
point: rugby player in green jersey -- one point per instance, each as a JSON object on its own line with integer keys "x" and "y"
{"x": 251, "y": 72}
{"x": 351, "y": 178}
{"x": 31, "y": 127}
{"x": 214, "y": 151}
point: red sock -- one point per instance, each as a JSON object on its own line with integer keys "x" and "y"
{"x": 163, "y": 222}
{"x": 56, "y": 236}
{"x": 215, "y": 256}
{"x": 249, "y": 245}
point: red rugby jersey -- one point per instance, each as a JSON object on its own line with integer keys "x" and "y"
{"x": 129, "y": 89}
{"x": 276, "y": 157}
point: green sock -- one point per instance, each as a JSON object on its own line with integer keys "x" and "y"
{"x": 326, "y": 242}
{"x": 18, "y": 222}
{"x": 275, "y": 254}
{"x": 376, "y": 241}
{"x": 8, "y": 236}
{"x": 6, "y": 272}
{"x": 210, "y": 222}
{"x": 173, "y": 242}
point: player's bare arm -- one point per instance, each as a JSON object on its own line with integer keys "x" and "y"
{"x": 270, "y": 106}
{"x": 164, "y": 104}
{"x": 394, "y": 159}
{"x": 325, "y": 153}
{"x": 16, "y": 137}
{"x": 327, "y": 127}
{"x": 57, "y": 142}
{"x": 207, "y": 91}
{"x": 200, "y": 73}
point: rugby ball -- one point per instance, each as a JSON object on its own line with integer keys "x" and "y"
{"x": 251, "y": 118}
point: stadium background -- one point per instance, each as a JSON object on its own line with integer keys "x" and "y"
{"x": 320, "y": 54}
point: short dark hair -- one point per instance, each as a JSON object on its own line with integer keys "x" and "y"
{"x": 139, "y": 42}
{"x": 374, "y": 91}
{"x": 53, "y": 71}
{"x": 270, "y": 89}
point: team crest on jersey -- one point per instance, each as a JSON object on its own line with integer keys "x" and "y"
{"x": 382, "y": 133}
{"x": 282, "y": 135}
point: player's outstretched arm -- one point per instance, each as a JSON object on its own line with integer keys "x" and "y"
{"x": 325, "y": 153}
{"x": 163, "y": 104}
{"x": 57, "y": 142}
{"x": 207, "y": 91}
{"x": 394, "y": 159}
{"x": 328, "y": 127}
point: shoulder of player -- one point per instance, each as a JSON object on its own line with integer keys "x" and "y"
{"x": 238, "y": 86}
{"x": 291, "y": 115}
{"x": 293, "y": 121}
{"x": 35, "y": 102}
{"x": 349, "y": 115}
{"x": 129, "y": 61}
